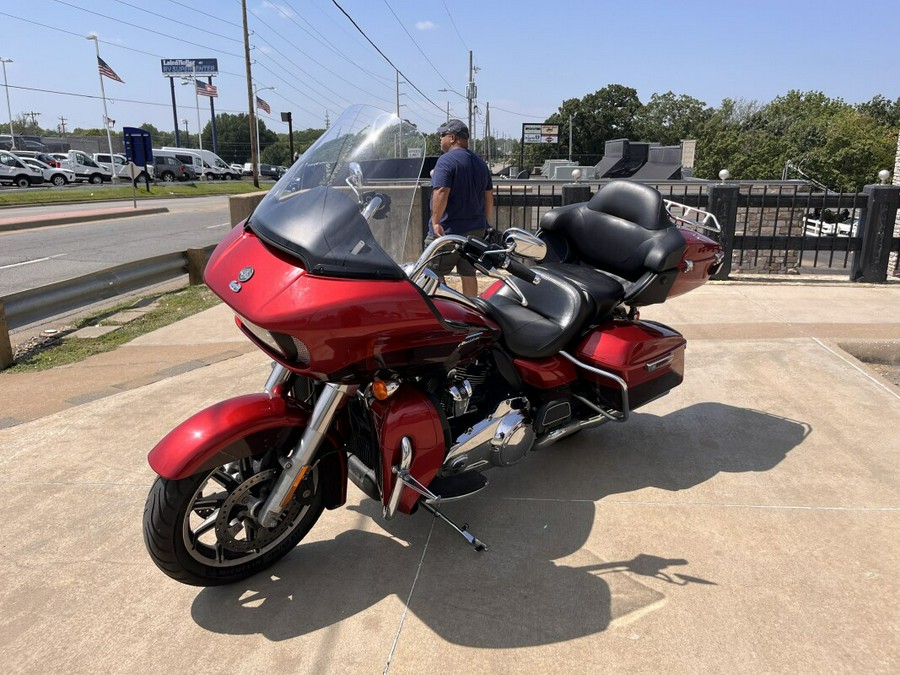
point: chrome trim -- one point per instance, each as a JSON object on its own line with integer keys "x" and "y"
{"x": 660, "y": 362}
{"x": 406, "y": 452}
{"x": 611, "y": 376}
{"x": 687, "y": 210}
{"x": 279, "y": 375}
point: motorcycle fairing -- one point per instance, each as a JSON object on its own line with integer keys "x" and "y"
{"x": 411, "y": 413}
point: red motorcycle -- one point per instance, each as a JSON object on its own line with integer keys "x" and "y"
{"x": 389, "y": 378}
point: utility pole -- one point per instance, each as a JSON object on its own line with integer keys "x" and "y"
{"x": 187, "y": 136}
{"x": 62, "y": 126}
{"x": 251, "y": 104}
{"x": 327, "y": 121}
{"x": 33, "y": 115}
{"x": 471, "y": 91}
{"x": 487, "y": 132}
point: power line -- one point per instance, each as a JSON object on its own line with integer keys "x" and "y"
{"x": 424, "y": 55}
{"x": 149, "y": 30}
{"x": 336, "y": 4}
{"x": 322, "y": 66}
{"x": 211, "y": 16}
{"x": 160, "y": 16}
{"x": 452, "y": 23}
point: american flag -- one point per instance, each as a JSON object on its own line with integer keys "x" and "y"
{"x": 262, "y": 105}
{"x": 205, "y": 89}
{"x": 106, "y": 71}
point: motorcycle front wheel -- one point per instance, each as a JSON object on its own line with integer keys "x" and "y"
{"x": 199, "y": 530}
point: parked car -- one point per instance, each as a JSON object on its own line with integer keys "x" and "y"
{"x": 52, "y": 174}
{"x": 14, "y": 170}
{"x": 44, "y": 157}
{"x": 121, "y": 164}
{"x": 265, "y": 170}
{"x": 169, "y": 169}
{"x": 238, "y": 169}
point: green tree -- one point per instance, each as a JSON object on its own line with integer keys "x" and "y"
{"x": 668, "y": 119}
{"x": 233, "y": 132}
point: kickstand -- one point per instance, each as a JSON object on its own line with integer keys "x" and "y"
{"x": 464, "y": 530}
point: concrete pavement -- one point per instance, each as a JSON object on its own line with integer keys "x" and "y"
{"x": 747, "y": 522}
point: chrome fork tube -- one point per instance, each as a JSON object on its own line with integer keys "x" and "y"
{"x": 297, "y": 462}
{"x": 278, "y": 375}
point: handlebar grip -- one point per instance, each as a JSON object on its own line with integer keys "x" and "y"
{"x": 523, "y": 272}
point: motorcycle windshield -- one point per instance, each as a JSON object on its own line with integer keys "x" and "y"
{"x": 313, "y": 214}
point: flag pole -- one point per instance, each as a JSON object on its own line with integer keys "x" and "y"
{"x": 112, "y": 160}
{"x": 199, "y": 127}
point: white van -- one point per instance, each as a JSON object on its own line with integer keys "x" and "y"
{"x": 192, "y": 157}
{"x": 14, "y": 170}
{"x": 226, "y": 170}
{"x": 120, "y": 162}
{"x": 86, "y": 168}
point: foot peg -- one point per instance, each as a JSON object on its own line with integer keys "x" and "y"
{"x": 464, "y": 530}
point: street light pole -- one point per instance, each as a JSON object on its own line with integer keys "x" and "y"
{"x": 12, "y": 137}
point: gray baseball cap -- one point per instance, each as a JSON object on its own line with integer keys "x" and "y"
{"x": 455, "y": 127}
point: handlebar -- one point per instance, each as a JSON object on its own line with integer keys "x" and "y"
{"x": 521, "y": 271}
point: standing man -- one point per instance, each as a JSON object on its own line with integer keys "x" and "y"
{"x": 462, "y": 200}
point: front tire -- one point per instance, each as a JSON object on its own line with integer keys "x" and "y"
{"x": 198, "y": 530}
{"x": 58, "y": 180}
{"x": 96, "y": 179}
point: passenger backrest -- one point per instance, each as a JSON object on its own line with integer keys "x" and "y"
{"x": 624, "y": 229}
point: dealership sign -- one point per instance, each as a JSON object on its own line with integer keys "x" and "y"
{"x": 189, "y": 67}
{"x": 540, "y": 133}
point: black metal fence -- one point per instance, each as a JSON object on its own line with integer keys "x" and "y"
{"x": 768, "y": 227}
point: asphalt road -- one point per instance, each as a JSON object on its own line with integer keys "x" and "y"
{"x": 44, "y": 255}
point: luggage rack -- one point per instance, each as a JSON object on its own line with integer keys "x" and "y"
{"x": 709, "y": 222}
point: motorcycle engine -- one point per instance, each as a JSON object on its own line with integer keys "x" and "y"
{"x": 501, "y": 439}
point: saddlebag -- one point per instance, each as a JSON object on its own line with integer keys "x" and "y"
{"x": 647, "y": 356}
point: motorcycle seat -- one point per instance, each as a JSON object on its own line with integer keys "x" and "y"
{"x": 623, "y": 236}
{"x": 555, "y": 314}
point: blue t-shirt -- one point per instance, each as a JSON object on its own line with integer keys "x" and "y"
{"x": 468, "y": 178}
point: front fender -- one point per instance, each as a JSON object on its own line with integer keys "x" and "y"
{"x": 237, "y": 428}
{"x": 222, "y": 433}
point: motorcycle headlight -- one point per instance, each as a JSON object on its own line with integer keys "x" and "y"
{"x": 291, "y": 349}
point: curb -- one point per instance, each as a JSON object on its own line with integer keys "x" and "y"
{"x": 10, "y": 224}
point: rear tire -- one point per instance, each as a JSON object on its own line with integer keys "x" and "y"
{"x": 199, "y": 532}
{"x": 168, "y": 177}
{"x": 96, "y": 179}
{"x": 22, "y": 181}
{"x": 58, "y": 180}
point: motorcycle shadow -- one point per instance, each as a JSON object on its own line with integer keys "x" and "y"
{"x": 538, "y": 584}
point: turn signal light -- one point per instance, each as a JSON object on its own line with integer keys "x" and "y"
{"x": 382, "y": 390}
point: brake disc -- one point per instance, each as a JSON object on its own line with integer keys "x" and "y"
{"x": 235, "y": 519}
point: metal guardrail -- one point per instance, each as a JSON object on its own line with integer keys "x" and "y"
{"x": 27, "y": 307}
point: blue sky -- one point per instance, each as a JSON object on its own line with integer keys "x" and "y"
{"x": 531, "y": 55}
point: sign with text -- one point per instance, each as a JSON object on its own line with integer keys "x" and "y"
{"x": 540, "y": 133}
{"x": 189, "y": 67}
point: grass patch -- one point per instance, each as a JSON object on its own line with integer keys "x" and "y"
{"x": 164, "y": 309}
{"x": 100, "y": 193}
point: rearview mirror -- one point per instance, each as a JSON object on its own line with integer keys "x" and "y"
{"x": 524, "y": 244}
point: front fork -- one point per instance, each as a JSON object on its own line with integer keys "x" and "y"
{"x": 298, "y": 461}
